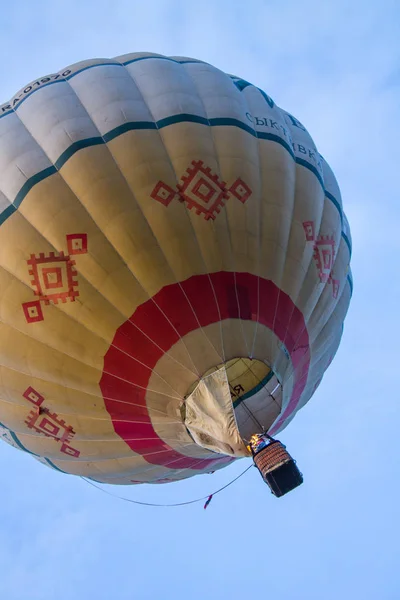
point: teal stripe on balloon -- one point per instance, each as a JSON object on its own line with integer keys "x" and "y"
{"x": 253, "y": 391}
{"x": 149, "y": 125}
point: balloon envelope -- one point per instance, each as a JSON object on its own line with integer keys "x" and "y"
{"x": 174, "y": 268}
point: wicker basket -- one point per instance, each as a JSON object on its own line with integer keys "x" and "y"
{"x": 271, "y": 456}
{"x": 277, "y": 468}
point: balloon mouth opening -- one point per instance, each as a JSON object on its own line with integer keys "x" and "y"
{"x": 245, "y": 376}
{"x": 231, "y": 402}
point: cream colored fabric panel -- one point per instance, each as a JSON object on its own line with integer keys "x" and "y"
{"x": 324, "y": 294}
{"x": 278, "y": 181}
{"x": 219, "y": 96}
{"x": 98, "y": 449}
{"x": 331, "y": 230}
{"x": 64, "y": 121}
{"x": 111, "y": 471}
{"x": 210, "y": 417}
{"x": 277, "y": 173}
{"x": 230, "y": 242}
{"x": 136, "y": 468}
{"x": 300, "y": 273}
{"x": 20, "y": 156}
{"x": 301, "y": 276}
{"x": 277, "y": 168}
{"x": 110, "y": 96}
{"x": 103, "y": 191}
{"x": 170, "y": 225}
{"x": 333, "y": 326}
{"x": 202, "y": 354}
{"x": 59, "y": 397}
{"x": 327, "y": 302}
{"x": 165, "y": 88}
{"x": 42, "y": 361}
{"x": 155, "y": 476}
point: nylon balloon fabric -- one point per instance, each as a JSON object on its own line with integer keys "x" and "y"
{"x": 163, "y": 226}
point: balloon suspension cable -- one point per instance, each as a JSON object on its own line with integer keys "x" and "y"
{"x": 206, "y": 498}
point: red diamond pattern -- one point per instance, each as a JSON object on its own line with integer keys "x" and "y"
{"x": 201, "y": 190}
{"x": 163, "y": 193}
{"x": 77, "y": 243}
{"x": 49, "y": 424}
{"x": 324, "y": 255}
{"x": 33, "y": 311}
{"x": 240, "y": 190}
{"x": 54, "y": 277}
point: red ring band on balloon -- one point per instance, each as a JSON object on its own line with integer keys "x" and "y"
{"x": 148, "y": 334}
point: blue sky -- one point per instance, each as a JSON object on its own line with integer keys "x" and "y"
{"x": 335, "y": 66}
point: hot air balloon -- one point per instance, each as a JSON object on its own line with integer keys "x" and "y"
{"x": 174, "y": 268}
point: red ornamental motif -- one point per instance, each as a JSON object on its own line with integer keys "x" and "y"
{"x": 309, "y": 230}
{"x": 201, "y": 190}
{"x": 54, "y": 277}
{"x": 324, "y": 255}
{"x": 41, "y": 420}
